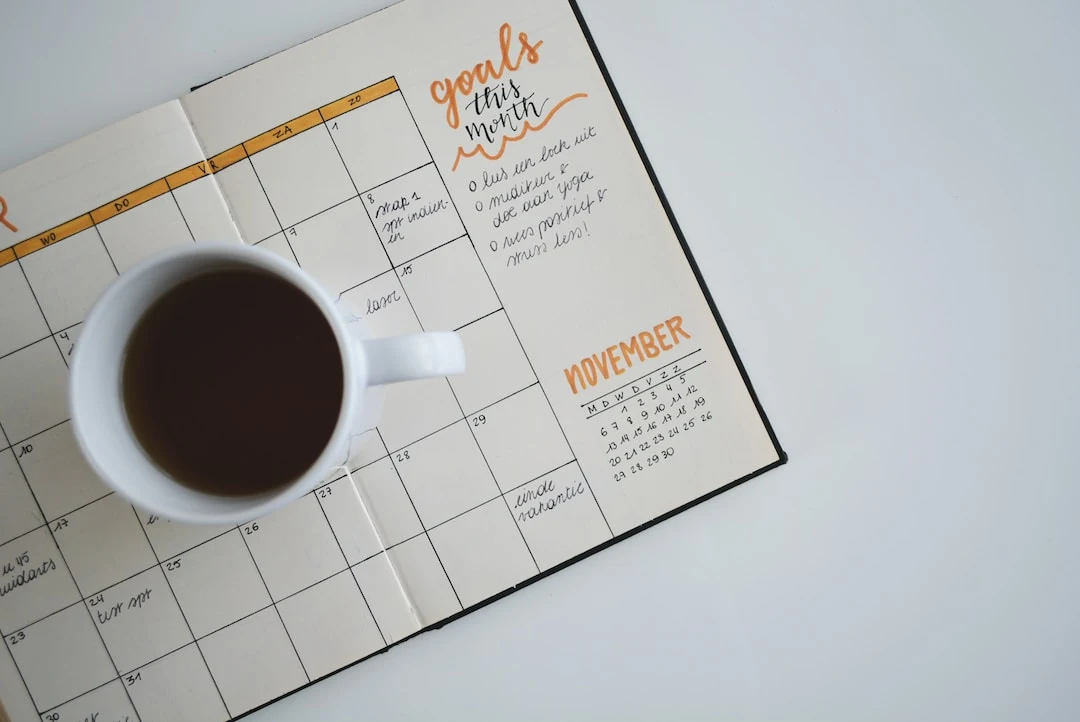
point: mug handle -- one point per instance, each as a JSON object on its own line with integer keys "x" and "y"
{"x": 413, "y": 356}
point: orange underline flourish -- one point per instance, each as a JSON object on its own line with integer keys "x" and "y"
{"x": 479, "y": 149}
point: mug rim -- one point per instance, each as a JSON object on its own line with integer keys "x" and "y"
{"x": 352, "y": 363}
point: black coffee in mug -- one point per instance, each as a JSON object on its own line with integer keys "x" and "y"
{"x": 233, "y": 382}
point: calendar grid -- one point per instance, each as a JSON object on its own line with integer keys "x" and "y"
{"x": 230, "y": 530}
{"x": 198, "y": 638}
{"x": 67, "y": 569}
{"x": 83, "y": 597}
{"x": 160, "y": 562}
{"x": 439, "y": 493}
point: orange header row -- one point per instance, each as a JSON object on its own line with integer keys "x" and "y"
{"x": 198, "y": 170}
{"x": 363, "y": 97}
{"x": 62, "y": 231}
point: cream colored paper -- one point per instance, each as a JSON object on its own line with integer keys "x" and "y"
{"x": 438, "y": 166}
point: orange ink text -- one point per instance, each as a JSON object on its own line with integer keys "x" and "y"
{"x": 446, "y": 91}
{"x": 617, "y": 358}
{"x": 500, "y": 110}
{"x": 3, "y": 216}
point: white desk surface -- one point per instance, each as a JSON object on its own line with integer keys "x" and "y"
{"x": 884, "y": 201}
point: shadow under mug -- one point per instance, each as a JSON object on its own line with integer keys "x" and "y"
{"x": 104, "y": 433}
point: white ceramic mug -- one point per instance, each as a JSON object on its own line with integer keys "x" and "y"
{"x": 100, "y": 422}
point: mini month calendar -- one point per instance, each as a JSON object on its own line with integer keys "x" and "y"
{"x": 436, "y": 166}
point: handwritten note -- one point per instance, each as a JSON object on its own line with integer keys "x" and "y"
{"x": 541, "y": 203}
{"x": 21, "y": 571}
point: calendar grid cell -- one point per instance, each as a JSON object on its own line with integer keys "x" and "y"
{"x": 22, "y": 534}
{"x": 403, "y": 264}
{"x": 81, "y": 694}
{"x": 82, "y": 506}
{"x": 353, "y": 471}
{"x": 475, "y": 320}
{"x": 16, "y": 630}
{"x": 274, "y": 605}
{"x": 37, "y": 341}
{"x": 305, "y": 220}
{"x": 357, "y": 190}
{"x": 132, "y": 671}
{"x": 192, "y": 548}
{"x": 431, "y": 250}
{"x": 277, "y": 219}
{"x": 179, "y": 210}
{"x": 39, "y": 433}
{"x": 472, "y": 431}
{"x": 42, "y": 312}
{"x": 22, "y": 678}
{"x": 397, "y": 177}
{"x": 23, "y": 348}
{"x": 425, "y": 436}
{"x": 101, "y": 240}
{"x": 351, "y": 574}
{"x": 179, "y": 606}
{"x": 425, "y": 533}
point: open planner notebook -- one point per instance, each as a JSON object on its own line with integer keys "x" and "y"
{"x": 435, "y": 165}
